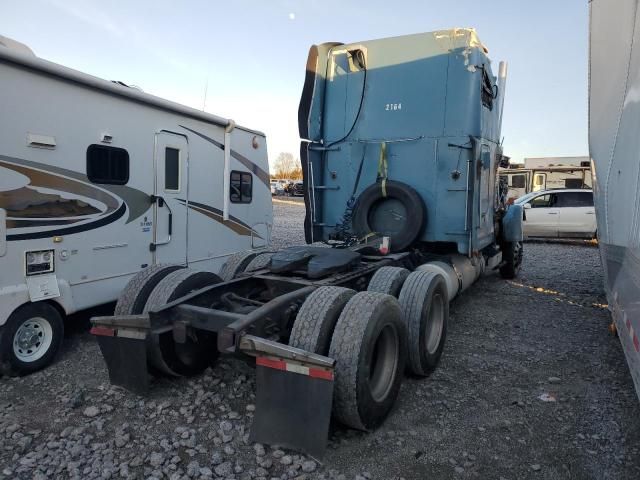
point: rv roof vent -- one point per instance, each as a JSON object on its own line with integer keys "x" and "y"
{"x": 585, "y": 164}
{"x": 13, "y": 45}
{"x": 41, "y": 141}
{"x": 106, "y": 138}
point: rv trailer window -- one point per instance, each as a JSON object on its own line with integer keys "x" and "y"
{"x": 107, "y": 165}
{"x": 573, "y": 183}
{"x": 519, "y": 181}
{"x": 172, "y": 169}
{"x": 241, "y": 187}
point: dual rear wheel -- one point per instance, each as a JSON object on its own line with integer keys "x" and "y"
{"x": 374, "y": 336}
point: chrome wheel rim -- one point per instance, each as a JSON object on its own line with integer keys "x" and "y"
{"x": 384, "y": 363}
{"x": 435, "y": 324}
{"x": 32, "y": 339}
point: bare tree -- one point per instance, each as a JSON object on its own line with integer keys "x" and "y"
{"x": 287, "y": 166}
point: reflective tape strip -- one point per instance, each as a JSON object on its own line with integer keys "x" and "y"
{"x": 103, "y": 331}
{"x": 112, "y": 332}
{"x": 135, "y": 334}
{"x": 324, "y": 374}
{"x": 632, "y": 333}
{"x": 295, "y": 368}
{"x": 267, "y": 362}
{"x": 321, "y": 373}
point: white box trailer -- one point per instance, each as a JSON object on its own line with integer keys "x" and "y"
{"x": 99, "y": 180}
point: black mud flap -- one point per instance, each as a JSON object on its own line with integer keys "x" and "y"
{"x": 293, "y": 406}
{"x": 126, "y": 358}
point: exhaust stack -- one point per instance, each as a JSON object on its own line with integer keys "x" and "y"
{"x": 502, "y": 83}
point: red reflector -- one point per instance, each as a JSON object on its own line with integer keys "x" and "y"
{"x": 267, "y": 362}
{"x": 103, "y": 331}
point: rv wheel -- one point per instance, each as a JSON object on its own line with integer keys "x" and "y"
{"x": 259, "y": 262}
{"x": 30, "y": 339}
{"x": 314, "y": 324}
{"x": 512, "y": 253}
{"x": 368, "y": 345}
{"x": 236, "y": 264}
{"x": 388, "y": 280}
{"x": 200, "y": 348}
{"x": 425, "y": 304}
{"x": 135, "y": 294}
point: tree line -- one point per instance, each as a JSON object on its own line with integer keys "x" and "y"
{"x": 287, "y": 167}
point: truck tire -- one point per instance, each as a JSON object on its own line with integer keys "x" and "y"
{"x": 200, "y": 349}
{"x": 425, "y": 305}
{"x": 236, "y": 264}
{"x": 314, "y": 324}
{"x": 512, "y": 253}
{"x": 371, "y": 213}
{"x": 30, "y": 339}
{"x": 259, "y": 262}
{"x": 136, "y": 293}
{"x": 368, "y": 345}
{"x": 388, "y": 280}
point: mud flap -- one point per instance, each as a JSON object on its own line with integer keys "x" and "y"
{"x": 125, "y": 354}
{"x": 293, "y": 406}
{"x": 294, "y": 395}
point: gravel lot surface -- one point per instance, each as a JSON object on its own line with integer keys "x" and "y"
{"x": 531, "y": 385}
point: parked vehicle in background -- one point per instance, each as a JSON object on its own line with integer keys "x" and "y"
{"x": 297, "y": 190}
{"x": 294, "y": 189}
{"x": 567, "y": 213}
{"x": 276, "y": 188}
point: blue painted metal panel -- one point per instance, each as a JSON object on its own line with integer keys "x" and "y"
{"x": 423, "y": 98}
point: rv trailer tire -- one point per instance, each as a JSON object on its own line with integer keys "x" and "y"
{"x": 425, "y": 304}
{"x": 368, "y": 345}
{"x": 259, "y": 262}
{"x": 200, "y": 348}
{"x": 316, "y": 320}
{"x": 135, "y": 294}
{"x": 369, "y": 212}
{"x": 388, "y": 280}
{"x": 236, "y": 264}
{"x": 30, "y": 339}
{"x": 512, "y": 253}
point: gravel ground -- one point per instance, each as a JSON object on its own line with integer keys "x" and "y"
{"x": 531, "y": 385}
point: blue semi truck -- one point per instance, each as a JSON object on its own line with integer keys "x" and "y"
{"x": 404, "y": 211}
{"x": 403, "y": 139}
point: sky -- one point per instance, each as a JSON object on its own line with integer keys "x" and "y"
{"x": 249, "y": 55}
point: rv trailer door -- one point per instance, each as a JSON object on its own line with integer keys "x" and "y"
{"x": 170, "y": 207}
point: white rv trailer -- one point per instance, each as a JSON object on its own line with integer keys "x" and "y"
{"x": 546, "y": 173}
{"x": 98, "y": 181}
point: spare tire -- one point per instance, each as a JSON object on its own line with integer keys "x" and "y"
{"x": 400, "y": 214}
